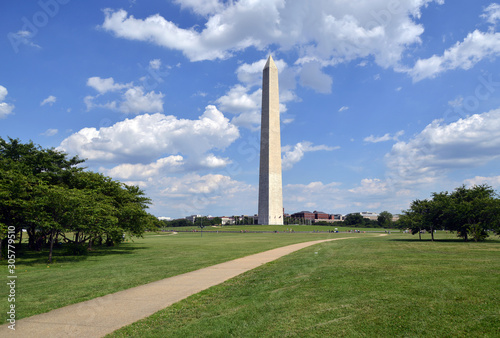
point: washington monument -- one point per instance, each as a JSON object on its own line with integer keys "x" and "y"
{"x": 270, "y": 186}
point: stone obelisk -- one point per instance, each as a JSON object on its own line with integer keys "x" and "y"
{"x": 270, "y": 185}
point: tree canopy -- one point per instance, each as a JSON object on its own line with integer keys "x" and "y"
{"x": 470, "y": 212}
{"x": 48, "y": 195}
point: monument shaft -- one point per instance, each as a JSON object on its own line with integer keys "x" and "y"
{"x": 270, "y": 184}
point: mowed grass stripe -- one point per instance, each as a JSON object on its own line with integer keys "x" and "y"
{"x": 386, "y": 286}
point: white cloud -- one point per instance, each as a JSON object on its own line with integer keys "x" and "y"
{"x": 89, "y": 103}
{"x": 136, "y": 101}
{"x": 3, "y": 93}
{"x": 202, "y": 7}
{"x": 106, "y": 85}
{"x": 466, "y": 143}
{"x": 238, "y": 100}
{"x": 325, "y": 197}
{"x": 5, "y": 108}
{"x": 371, "y": 186}
{"x": 293, "y": 155}
{"x": 146, "y": 137}
{"x": 21, "y": 38}
{"x": 492, "y": 13}
{"x": 195, "y": 194}
{"x": 244, "y": 100}
{"x": 322, "y": 30}
{"x": 493, "y": 181}
{"x": 133, "y": 98}
{"x": 49, "y": 100}
{"x": 50, "y": 132}
{"x": 386, "y": 137}
{"x": 343, "y": 108}
{"x": 211, "y": 161}
{"x": 155, "y": 64}
{"x": 458, "y": 102}
{"x": 140, "y": 171}
{"x": 463, "y": 55}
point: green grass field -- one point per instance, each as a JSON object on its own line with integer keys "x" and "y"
{"x": 371, "y": 286}
{"x": 279, "y": 228}
{"x": 68, "y": 280}
{"x": 368, "y": 286}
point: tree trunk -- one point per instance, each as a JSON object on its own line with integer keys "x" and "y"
{"x": 31, "y": 239}
{"x": 420, "y": 234}
{"x": 52, "y": 237}
{"x": 432, "y": 234}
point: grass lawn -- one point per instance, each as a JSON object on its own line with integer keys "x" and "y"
{"x": 68, "y": 280}
{"x": 279, "y": 228}
{"x": 371, "y": 286}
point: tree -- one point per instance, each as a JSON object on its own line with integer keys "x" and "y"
{"x": 470, "y": 212}
{"x": 44, "y": 192}
{"x": 385, "y": 219}
{"x": 354, "y": 220}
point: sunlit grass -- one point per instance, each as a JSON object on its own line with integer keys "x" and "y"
{"x": 71, "y": 279}
{"x": 373, "y": 286}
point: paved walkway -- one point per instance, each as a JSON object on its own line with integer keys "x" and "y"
{"x": 100, "y": 316}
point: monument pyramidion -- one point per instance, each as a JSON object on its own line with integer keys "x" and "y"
{"x": 270, "y": 183}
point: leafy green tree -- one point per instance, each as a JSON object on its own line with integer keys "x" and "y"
{"x": 384, "y": 219}
{"x": 46, "y": 193}
{"x": 470, "y": 212}
{"x": 354, "y": 220}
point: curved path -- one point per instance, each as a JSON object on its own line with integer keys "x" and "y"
{"x": 100, "y": 316}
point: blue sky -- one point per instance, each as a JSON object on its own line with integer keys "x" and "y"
{"x": 382, "y": 102}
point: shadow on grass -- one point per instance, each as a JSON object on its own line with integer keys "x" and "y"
{"x": 27, "y": 257}
{"x": 442, "y": 240}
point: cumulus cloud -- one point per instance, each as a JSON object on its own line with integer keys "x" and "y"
{"x": 49, "y": 100}
{"x": 371, "y": 186}
{"x": 466, "y": 143}
{"x": 133, "y": 98}
{"x": 146, "y": 137}
{"x": 293, "y": 155}
{"x": 136, "y": 101}
{"x": 5, "y": 108}
{"x": 141, "y": 171}
{"x": 202, "y": 7}
{"x": 106, "y": 85}
{"x": 244, "y": 99}
{"x": 322, "y": 30}
{"x": 193, "y": 193}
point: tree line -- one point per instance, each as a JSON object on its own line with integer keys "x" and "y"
{"x": 50, "y": 196}
{"x": 472, "y": 213}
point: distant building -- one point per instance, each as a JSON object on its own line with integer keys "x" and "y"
{"x": 317, "y": 216}
{"x": 370, "y": 215}
{"x": 193, "y": 218}
{"x": 227, "y": 220}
